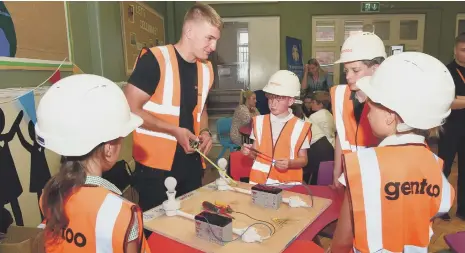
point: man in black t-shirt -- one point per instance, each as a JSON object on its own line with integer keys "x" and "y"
{"x": 452, "y": 139}
{"x": 152, "y": 76}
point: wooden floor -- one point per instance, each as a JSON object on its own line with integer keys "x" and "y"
{"x": 440, "y": 227}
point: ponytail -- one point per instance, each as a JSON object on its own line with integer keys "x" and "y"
{"x": 242, "y": 97}
{"x": 59, "y": 188}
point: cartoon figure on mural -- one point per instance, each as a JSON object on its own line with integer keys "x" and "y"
{"x": 295, "y": 53}
{"x": 10, "y": 186}
{"x": 39, "y": 173}
{"x": 8, "y": 41}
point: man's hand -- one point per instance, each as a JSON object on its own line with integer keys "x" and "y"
{"x": 206, "y": 142}
{"x": 183, "y": 136}
{"x": 282, "y": 164}
{"x": 245, "y": 150}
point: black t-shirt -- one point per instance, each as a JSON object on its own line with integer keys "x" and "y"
{"x": 457, "y": 117}
{"x": 358, "y": 107}
{"x": 146, "y": 76}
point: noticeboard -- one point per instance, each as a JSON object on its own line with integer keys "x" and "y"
{"x": 142, "y": 27}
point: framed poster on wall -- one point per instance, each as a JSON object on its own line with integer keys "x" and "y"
{"x": 142, "y": 27}
{"x": 30, "y": 40}
{"x": 294, "y": 56}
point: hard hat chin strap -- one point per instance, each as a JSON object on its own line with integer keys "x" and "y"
{"x": 402, "y": 127}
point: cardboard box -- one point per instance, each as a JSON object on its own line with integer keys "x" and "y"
{"x": 22, "y": 240}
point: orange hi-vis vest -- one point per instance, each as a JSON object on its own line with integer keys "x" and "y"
{"x": 395, "y": 192}
{"x": 157, "y": 149}
{"x": 352, "y": 136}
{"x": 99, "y": 221}
{"x": 289, "y": 142}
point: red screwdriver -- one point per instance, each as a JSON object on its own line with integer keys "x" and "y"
{"x": 214, "y": 209}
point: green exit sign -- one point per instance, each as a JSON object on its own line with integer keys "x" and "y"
{"x": 370, "y": 7}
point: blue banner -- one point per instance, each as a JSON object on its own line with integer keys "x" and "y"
{"x": 294, "y": 56}
{"x": 28, "y": 103}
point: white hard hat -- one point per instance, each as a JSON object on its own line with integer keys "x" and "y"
{"x": 362, "y": 46}
{"x": 80, "y": 112}
{"x": 417, "y": 86}
{"x": 283, "y": 83}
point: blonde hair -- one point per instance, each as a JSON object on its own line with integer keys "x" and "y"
{"x": 314, "y": 61}
{"x": 245, "y": 94}
{"x": 204, "y": 12}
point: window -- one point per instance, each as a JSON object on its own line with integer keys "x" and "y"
{"x": 460, "y": 28}
{"x": 243, "y": 46}
{"x": 351, "y": 27}
{"x": 242, "y": 55}
{"x": 326, "y": 58}
{"x": 382, "y": 29}
{"x": 408, "y": 29}
{"x": 330, "y": 32}
{"x": 325, "y": 31}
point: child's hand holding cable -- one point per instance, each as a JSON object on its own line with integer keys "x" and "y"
{"x": 282, "y": 164}
{"x": 246, "y": 150}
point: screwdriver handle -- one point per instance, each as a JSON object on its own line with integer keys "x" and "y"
{"x": 210, "y": 207}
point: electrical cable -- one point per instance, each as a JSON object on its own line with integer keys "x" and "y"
{"x": 240, "y": 236}
{"x": 274, "y": 228}
{"x": 269, "y": 225}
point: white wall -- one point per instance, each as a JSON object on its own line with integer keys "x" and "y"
{"x": 264, "y": 48}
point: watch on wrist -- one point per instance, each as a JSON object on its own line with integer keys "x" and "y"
{"x": 206, "y": 130}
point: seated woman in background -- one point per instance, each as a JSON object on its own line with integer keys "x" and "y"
{"x": 315, "y": 78}
{"x": 323, "y": 136}
{"x": 243, "y": 115}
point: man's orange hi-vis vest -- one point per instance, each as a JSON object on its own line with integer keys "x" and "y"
{"x": 157, "y": 149}
{"x": 395, "y": 192}
{"x": 352, "y": 136}
{"x": 99, "y": 221}
{"x": 289, "y": 142}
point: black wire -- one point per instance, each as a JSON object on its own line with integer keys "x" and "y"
{"x": 358, "y": 123}
{"x": 240, "y": 236}
{"x": 274, "y": 228}
{"x": 356, "y": 133}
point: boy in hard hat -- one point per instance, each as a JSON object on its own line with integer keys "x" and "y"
{"x": 280, "y": 138}
{"x": 396, "y": 189}
{"x": 361, "y": 55}
{"x": 84, "y": 118}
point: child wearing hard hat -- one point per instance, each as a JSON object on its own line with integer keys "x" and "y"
{"x": 361, "y": 55}
{"x": 396, "y": 189}
{"x": 280, "y": 138}
{"x": 84, "y": 118}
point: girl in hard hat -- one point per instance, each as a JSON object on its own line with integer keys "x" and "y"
{"x": 396, "y": 189}
{"x": 280, "y": 138}
{"x": 84, "y": 118}
{"x": 361, "y": 55}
